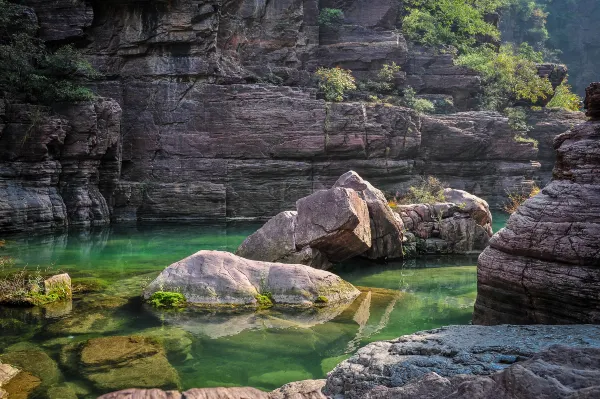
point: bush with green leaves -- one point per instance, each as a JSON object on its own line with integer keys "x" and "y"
{"x": 331, "y": 18}
{"x": 507, "y": 77}
{"x": 430, "y": 190}
{"x": 166, "y": 299}
{"x": 458, "y": 23}
{"x": 564, "y": 98}
{"x": 29, "y": 70}
{"x": 334, "y": 82}
{"x": 420, "y": 105}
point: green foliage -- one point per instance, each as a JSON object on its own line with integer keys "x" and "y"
{"x": 564, "y": 98}
{"x": 331, "y": 18}
{"x": 507, "y": 77}
{"x": 166, "y": 299}
{"x": 27, "y": 288}
{"x": 264, "y": 300}
{"x": 458, "y": 23}
{"x": 517, "y": 198}
{"x": 388, "y": 72}
{"x": 321, "y": 299}
{"x": 517, "y": 119}
{"x": 420, "y": 105}
{"x": 429, "y": 191}
{"x": 334, "y": 82}
{"x": 383, "y": 82}
{"x": 31, "y": 71}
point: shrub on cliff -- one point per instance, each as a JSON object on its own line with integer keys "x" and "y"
{"x": 458, "y": 23}
{"x": 517, "y": 198}
{"x": 331, "y": 18}
{"x": 29, "y": 70}
{"x": 334, "y": 82}
{"x": 430, "y": 190}
{"x": 564, "y": 98}
{"x": 507, "y": 76}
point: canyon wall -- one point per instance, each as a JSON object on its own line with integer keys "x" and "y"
{"x": 219, "y": 119}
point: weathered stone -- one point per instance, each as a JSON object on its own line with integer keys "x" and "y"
{"x": 217, "y": 278}
{"x": 307, "y": 389}
{"x": 60, "y": 283}
{"x": 22, "y": 386}
{"x": 398, "y": 368}
{"x": 7, "y": 372}
{"x": 592, "y": 101}
{"x": 35, "y": 362}
{"x": 543, "y": 267}
{"x": 386, "y": 227}
{"x": 335, "y": 221}
{"x": 114, "y": 363}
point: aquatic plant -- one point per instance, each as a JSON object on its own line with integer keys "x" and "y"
{"x": 166, "y": 299}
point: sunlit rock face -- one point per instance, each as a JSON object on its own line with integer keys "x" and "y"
{"x": 219, "y": 120}
{"x": 544, "y": 267}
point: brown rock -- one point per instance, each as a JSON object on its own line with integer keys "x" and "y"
{"x": 386, "y": 226}
{"x": 592, "y": 101}
{"x": 335, "y": 221}
{"x": 543, "y": 267}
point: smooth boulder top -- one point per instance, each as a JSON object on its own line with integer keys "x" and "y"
{"x": 222, "y": 278}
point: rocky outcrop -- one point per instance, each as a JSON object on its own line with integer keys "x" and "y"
{"x": 353, "y": 218}
{"x": 543, "y": 267}
{"x": 462, "y": 225}
{"x": 309, "y": 389}
{"x": 58, "y": 168}
{"x": 220, "y": 278}
{"x": 467, "y": 360}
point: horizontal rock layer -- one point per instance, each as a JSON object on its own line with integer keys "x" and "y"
{"x": 544, "y": 267}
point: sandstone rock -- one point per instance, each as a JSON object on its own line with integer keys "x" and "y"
{"x": 386, "y": 226}
{"x": 216, "y": 278}
{"x": 335, "y": 221}
{"x": 60, "y": 282}
{"x": 7, "y": 373}
{"x": 403, "y": 366}
{"x": 307, "y": 389}
{"x": 276, "y": 242}
{"x": 142, "y": 394}
{"x": 37, "y": 369}
{"x": 543, "y": 267}
{"x": 592, "y": 101}
{"x": 22, "y": 386}
{"x": 114, "y": 363}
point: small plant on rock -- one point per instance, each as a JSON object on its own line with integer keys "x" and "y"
{"x": 331, "y": 18}
{"x": 264, "y": 300}
{"x": 166, "y": 299}
{"x": 516, "y": 199}
{"x": 334, "y": 82}
{"x": 429, "y": 191}
{"x": 321, "y": 300}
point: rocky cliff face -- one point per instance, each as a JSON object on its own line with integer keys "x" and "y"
{"x": 544, "y": 266}
{"x": 58, "y": 167}
{"x": 217, "y": 120}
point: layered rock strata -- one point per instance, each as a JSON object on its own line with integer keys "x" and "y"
{"x": 474, "y": 362}
{"x": 544, "y": 267}
{"x": 58, "y": 168}
{"x": 220, "y": 278}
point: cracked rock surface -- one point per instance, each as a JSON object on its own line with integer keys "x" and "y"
{"x": 544, "y": 267}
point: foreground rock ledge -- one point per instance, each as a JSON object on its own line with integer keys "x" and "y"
{"x": 434, "y": 364}
{"x": 221, "y": 278}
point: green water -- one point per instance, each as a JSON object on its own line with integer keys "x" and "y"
{"x": 262, "y": 349}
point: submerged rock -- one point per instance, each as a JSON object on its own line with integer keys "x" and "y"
{"x": 221, "y": 278}
{"x": 114, "y": 363}
{"x": 544, "y": 266}
{"x": 35, "y": 362}
{"x": 427, "y": 364}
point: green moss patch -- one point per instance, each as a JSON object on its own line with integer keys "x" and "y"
{"x": 264, "y": 300}
{"x": 166, "y": 299}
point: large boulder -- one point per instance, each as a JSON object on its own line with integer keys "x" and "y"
{"x": 276, "y": 242}
{"x": 218, "y": 278}
{"x": 427, "y": 364}
{"x": 544, "y": 266}
{"x": 336, "y": 222}
{"x": 460, "y": 226}
{"x": 386, "y": 226}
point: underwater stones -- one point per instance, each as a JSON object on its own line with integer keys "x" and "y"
{"x": 175, "y": 341}
{"x": 114, "y": 363}
{"x": 21, "y": 386}
{"x": 35, "y": 362}
{"x": 335, "y": 221}
{"x": 461, "y": 352}
{"x": 220, "y": 278}
{"x": 386, "y": 225}
{"x": 84, "y": 324}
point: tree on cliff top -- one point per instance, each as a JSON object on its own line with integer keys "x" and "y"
{"x": 29, "y": 70}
